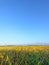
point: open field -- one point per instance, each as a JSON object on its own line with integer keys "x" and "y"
{"x": 26, "y": 48}
{"x": 24, "y": 55}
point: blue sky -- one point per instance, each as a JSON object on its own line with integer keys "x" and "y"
{"x": 24, "y": 21}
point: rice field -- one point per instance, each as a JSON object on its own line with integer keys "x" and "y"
{"x": 24, "y": 55}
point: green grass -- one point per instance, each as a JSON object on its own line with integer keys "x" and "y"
{"x": 24, "y": 58}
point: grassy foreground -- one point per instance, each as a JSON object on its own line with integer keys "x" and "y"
{"x": 24, "y": 55}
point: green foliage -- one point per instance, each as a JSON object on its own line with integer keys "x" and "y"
{"x": 24, "y": 58}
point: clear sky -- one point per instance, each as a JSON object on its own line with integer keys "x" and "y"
{"x": 24, "y": 21}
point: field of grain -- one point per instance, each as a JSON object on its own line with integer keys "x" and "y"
{"x": 24, "y": 55}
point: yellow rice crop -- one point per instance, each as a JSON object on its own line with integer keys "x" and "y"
{"x": 25, "y": 48}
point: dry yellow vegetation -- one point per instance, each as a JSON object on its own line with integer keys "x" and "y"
{"x": 25, "y": 48}
{"x": 24, "y": 55}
